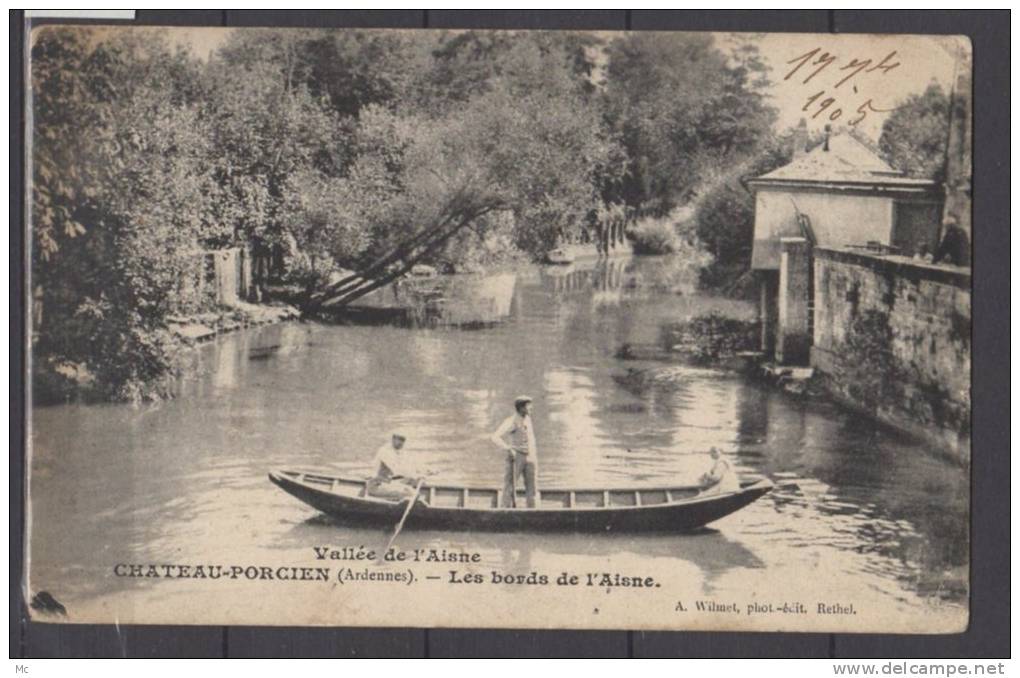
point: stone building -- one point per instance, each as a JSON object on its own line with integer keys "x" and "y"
{"x": 839, "y": 194}
{"x": 836, "y": 238}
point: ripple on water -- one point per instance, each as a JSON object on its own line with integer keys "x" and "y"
{"x": 187, "y": 479}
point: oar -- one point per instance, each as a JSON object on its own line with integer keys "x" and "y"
{"x": 410, "y": 505}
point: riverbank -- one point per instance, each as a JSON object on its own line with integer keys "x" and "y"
{"x": 199, "y": 327}
{"x": 590, "y": 252}
{"x": 56, "y": 382}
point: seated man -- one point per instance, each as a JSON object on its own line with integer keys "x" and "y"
{"x": 720, "y": 478}
{"x": 955, "y": 245}
{"x": 395, "y": 474}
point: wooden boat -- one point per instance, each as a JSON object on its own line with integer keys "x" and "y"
{"x": 559, "y": 257}
{"x": 447, "y": 507}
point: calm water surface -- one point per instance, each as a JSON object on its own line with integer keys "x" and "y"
{"x": 184, "y": 480}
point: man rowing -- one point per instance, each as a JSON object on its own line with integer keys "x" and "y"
{"x": 516, "y": 435}
{"x": 396, "y": 475}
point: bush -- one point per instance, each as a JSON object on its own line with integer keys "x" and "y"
{"x": 708, "y": 338}
{"x": 724, "y": 214}
{"x": 725, "y": 222}
{"x": 655, "y": 236}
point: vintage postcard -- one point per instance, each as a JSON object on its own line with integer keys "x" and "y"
{"x": 499, "y": 329}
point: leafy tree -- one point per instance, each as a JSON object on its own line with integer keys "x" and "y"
{"x": 681, "y": 107}
{"x": 724, "y": 212}
{"x": 317, "y": 214}
{"x": 264, "y": 127}
{"x": 368, "y": 150}
{"x": 527, "y": 146}
{"x": 463, "y": 64}
{"x": 63, "y": 185}
{"x": 348, "y": 70}
{"x": 914, "y": 135}
{"x": 118, "y": 201}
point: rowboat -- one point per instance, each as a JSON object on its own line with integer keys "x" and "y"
{"x": 559, "y": 256}
{"x": 448, "y": 507}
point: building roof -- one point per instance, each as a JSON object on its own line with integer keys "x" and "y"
{"x": 844, "y": 162}
{"x": 837, "y": 194}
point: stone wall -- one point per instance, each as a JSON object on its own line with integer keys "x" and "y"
{"x": 892, "y": 336}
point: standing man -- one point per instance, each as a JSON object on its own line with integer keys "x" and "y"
{"x": 516, "y": 435}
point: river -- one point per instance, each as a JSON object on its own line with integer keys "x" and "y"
{"x": 859, "y": 514}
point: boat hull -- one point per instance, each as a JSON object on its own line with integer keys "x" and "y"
{"x": 684, "y": 515}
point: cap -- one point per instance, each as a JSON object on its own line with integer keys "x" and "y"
{"x": 520, "y": 400}
{"x": 399, "y": 435}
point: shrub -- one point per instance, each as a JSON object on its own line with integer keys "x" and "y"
{"x": 655, "y": 236}
{"x": 712, "y": 336}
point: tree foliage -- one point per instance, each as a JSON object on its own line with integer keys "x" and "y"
{"x": 264, "y": 127}
{"x": 364, "y": 150}
{"x": 914, "y": 136}
{"x": 523, "y": 142}
{"x": 118, "y": 201}
{"x": 724, "y": 213}
{"x": 682, "y": 107}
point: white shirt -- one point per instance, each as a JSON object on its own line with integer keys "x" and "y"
{"x": 723, "y": 476}
{"x": 389, "y": 462}
{"x": 521, "y": 433}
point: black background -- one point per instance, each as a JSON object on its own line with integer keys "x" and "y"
{"x": 988, "y": 633}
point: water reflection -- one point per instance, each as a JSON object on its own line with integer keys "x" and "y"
{"x": 463, "y": 301}
{"x": 185, "y": 480}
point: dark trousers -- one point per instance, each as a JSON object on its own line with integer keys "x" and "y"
{"x": 519, "y": 466}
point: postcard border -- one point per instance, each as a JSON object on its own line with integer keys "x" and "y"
{"x": 988, "y": 633}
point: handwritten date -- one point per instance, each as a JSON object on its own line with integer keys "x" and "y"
{"x": 816, "y": 61}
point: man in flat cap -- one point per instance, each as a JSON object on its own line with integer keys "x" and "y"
{"x": 516, "y": 435}
{"x": 396, "y": 475}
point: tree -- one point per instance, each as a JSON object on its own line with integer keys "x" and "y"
{"x": 317, "y": 214}
{"x": 462, "y": 65}
{"x": 914, "y": 136}
{"x": 682, "y": 108}
{"x": 365, "y": 150}
{"x": 264, "y": 127}
{"x": 347, "y": 70}
{"x": 724, "y": 211}
{"x": 524, "y": 144}
{"x": 118, "y": 201}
